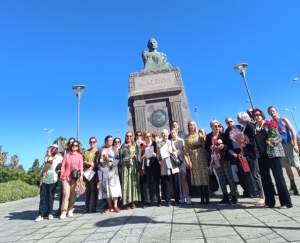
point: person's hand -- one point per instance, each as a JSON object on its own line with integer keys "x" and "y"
{"x": 101, "y": 169}
{"x": 154, "y": 155}
{"x": 212, "y": 147}
{"x": 109, "y": 164}
{"x": 235, "y": 155}
{"x": 221, "y": 146}
{"x": 131, "y": 156}
{"x": 92, "y": 164}
{"x": 296, "y": 149}
{"x": 144, "y": 157}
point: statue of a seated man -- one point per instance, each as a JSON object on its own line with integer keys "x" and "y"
{"x": 154, "y": 60}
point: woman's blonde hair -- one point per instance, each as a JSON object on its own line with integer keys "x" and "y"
{"x": 189, "y": 122}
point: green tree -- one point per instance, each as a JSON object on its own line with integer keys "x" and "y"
{"x": 14, "y": 161}
{"x": 3, "y": 156}
{"x": 62, "y": 140}
{"x": 33, "y": 174}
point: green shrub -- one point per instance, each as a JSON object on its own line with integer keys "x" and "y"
{"x": 15, "y": 190}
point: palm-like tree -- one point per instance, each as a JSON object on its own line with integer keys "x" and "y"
{"x": 3, "y": 156}
{"x": 62, "y": 140}
{"x": 14, "y": 161}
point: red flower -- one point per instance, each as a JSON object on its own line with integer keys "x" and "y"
{"x": 51, "y": 162}
{"x": 144, "y": 146}
{"x": 273, "y": 124}
{"x": 267, "y": 123}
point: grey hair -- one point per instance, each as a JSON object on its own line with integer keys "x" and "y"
{"x": 243, "y": 116}
{"x": 213, "y": 122}
{"x": 164, "y": 131}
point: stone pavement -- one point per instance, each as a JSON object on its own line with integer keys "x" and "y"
{"x": 243, "y": 222}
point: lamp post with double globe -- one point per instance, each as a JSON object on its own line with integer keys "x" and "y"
{"x": 292, "y": 110}
{"x": 48, "y": 135}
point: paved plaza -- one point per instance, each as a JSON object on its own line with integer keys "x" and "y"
{"x": 243, "y": 222}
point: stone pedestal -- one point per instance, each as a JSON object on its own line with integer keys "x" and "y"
{"x": 155, "y": 99}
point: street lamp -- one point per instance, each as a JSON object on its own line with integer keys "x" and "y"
{"x": 291, "y": 110}
{"x": 78, "y": 89}
{"x": 296, "y": 79}
{"x": 196, "y": 111}
{"x": 242, "y": 69}
{"x": 48, "y": 135}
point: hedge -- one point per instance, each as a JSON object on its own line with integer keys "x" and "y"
{"x": 15, "y": 190}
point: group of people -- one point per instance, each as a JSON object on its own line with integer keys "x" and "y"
{"x": 140, "y": 169}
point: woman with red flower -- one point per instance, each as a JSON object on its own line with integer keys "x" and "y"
{"x": 268, "y": 141}
{"x": 48, "y": 182}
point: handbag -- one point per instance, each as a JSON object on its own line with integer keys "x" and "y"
{"x": 142, "y": 169}
{"x": 244, "y": 163}
{"x": 177, "y": 161}
{"x": 213, "y": 182}
{"x": 75, "y": 174}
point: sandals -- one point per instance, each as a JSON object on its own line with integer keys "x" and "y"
{"x": 85, "y": 211}
{"x": 133, "y": 206}
{"x": 117, "y": 210}
{"x": 108, "y": 210}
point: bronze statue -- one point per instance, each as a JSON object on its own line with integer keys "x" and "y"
{"x": 154, "y": 60}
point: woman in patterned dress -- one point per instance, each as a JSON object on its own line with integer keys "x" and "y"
{"x": 129, "y": 163}
{"x": 107, "y": 160}
{"x": 195, "y": 159}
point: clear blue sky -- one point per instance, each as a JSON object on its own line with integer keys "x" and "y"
{"x": 48, "y": 46}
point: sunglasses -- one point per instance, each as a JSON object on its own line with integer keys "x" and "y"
{"x": 91, "y": 142}
{"x": 117, "y": 141}
{"x": 129, "y": 136}
{"x": 139, "y": 135}
{"x": 148, "y": 136}
{"x": 257, "y": 114}
{"x": 216, "y": 126}
{"x": 75, "y": 145}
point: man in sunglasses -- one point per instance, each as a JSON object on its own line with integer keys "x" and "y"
{"x": 234, "y": 150}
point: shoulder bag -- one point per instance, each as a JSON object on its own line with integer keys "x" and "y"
{"x": 75, "y": 174}
{"x": 176, "y": 159}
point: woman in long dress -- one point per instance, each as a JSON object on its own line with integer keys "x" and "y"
{"x": 107, "y": 160}
{"x": 129, "y": 163}
{"x": 195, "y": 159}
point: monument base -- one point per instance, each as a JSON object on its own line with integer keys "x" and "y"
{"x": 155, "y": 99}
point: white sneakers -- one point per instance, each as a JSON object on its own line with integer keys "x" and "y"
{"x": 188, "y": 201}
{"x": 63, "y": 215}
{"x": 39, "y": 218}
{"x": 50, "y": 216}
{"x": 70, "y": 214}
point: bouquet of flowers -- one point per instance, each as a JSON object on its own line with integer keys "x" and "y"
{"x": 47, "y": 166}
{"x": 159, "y": 143}
{"x": 126, "y": 152}
{"x": 105, "y": 160}
{"x": 238, "y": 136}
{"x": 80, "y": 188}
{"x": 272, "y": 133}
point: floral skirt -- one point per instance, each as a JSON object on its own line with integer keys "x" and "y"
{"x": 109, "y": 185}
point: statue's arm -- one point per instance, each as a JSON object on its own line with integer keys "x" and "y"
{"x": 144, "y": 57}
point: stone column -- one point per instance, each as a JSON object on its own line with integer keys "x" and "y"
{"x": 139, "y": 115}
{"x": 176, "y": 110}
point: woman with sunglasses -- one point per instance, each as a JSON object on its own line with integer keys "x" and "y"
{"x": 73, "y": 160}
{"x": 195, "y": 159}
{"x": 130, "y": 183}
{"x": 270, "y": 160}
{"x": 107, "y": 160}
{"x": 219, "y": 157}
{"x": 117, "y": 145}
{"x": 91, "y": 185}
{"x": 150, "y": 181}
{"x": 252, "y": 154}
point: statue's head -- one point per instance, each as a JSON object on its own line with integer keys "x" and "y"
{"x": 152, "y": 44}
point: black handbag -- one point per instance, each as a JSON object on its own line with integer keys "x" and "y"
{"x": 142, "y": 168}
{"x": 213, "y": 182}
{"x": 177, "y": 161}
{"x": 75, "y": 174}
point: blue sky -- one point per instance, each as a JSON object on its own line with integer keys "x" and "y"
{"x": 48, "y": 46}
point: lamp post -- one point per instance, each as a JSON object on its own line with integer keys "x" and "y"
{"x": 291, "y": 110}
{"x": 242, "y": 69}
{"x": 78, "y": 89}
{"x": 48, "y": 135}
{"x": 196, "y": 111}
{"x": 295, "y": 79}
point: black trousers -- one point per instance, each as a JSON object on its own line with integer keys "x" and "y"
{"x": 265, "y": 164}
{"x": 165, "y": 182}
{"x": 91, "y": 190}
{"x": 47, "y": 192}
